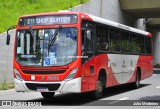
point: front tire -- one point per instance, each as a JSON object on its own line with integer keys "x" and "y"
{"x": 48, "y": 95}
{"x": 99, "y": 89}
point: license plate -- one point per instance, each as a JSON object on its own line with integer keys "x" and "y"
{"x": 42, "y": 89}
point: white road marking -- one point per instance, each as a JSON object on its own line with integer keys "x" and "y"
{"x": 119, "y": 100}
{"x": 158, "y": 87}
{"x": 158, "y": 107}
{"x": 124, "y": 98}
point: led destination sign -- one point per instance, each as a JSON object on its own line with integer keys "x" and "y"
{"x": 48, "y": 20}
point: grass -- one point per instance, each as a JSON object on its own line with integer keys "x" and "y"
{"x": 157, "y": 66}
{"x": 6, "y": 86}
{"x": 11, "y": 9}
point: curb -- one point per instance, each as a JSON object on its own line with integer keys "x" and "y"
{"x": 156, "y": 68}
{"x": 6, "y": 32}
{"x": 6, "y": 90}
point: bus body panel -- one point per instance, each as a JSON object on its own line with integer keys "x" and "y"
{"x": 115, "y": 73}
{"x": 146, "y": 65}
{"x": 119, "y": 68}
{"x": 64, "y": 86}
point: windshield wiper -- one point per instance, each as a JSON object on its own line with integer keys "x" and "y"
{"x": 32, "y": 34}
{"x": 31, "y": 31}
{"x": 53, "y": 38}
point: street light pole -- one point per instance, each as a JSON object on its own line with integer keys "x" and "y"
{"x": 101, "y": 8}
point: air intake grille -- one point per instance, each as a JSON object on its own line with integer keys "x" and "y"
{"x": 44, "y": 72}
{"x": 51, "y": 87}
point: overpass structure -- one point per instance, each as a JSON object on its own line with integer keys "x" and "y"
{"x": 150, "y": 11}
{"x": 141, "y": 8}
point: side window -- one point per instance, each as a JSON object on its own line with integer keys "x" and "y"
{"x": 148, "y": 46}
{"x": 125, "y": 43}
{"x": 88, "y": 41}
{"x": 83, "y": 33}
{"x": 141, "y": 44}
{"x": 134, "y": 46}
{"x": 88, "y": 31}
{"x": 102, "y": 38}
{"x": 114, "y": 35}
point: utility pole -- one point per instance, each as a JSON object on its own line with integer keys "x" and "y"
{"x": 101, "y": 8}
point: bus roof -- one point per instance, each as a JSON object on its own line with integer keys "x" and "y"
{"x": 95, "y": 19}
{"x": 118, "y": 25}
{"x": 50, "y": 13}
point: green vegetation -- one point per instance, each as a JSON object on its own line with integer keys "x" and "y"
{"x": 157, "y": 66}
{"x": 11, "y": 9}
{"x": 128, "y": 47}
{"x": 6, "y": 86}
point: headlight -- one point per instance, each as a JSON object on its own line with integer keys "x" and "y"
{"x": 72, "y": 74}
{"x": 18, "y": 76}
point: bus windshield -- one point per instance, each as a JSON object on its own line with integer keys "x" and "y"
{"x": 33, "y": 47}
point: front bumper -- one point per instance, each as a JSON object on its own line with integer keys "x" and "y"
{"x": 64, "y": 86}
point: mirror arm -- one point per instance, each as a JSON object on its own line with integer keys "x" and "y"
{"x": 11, "y": 27}
{"x": 84, "y": 29}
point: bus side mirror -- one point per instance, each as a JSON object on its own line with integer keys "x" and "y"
{"x": 89, "y": 36}
{"x": 8, "y": 35}
{"x": 8, "y": 39}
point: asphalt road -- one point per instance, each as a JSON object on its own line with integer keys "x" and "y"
{"x": 113, "y": 97}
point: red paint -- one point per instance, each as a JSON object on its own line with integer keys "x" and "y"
{"x": 99, "y": 62}
{"x": 149, "y": 34}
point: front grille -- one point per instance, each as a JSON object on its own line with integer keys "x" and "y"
{"x": 51, "y": 87}
{"x": 43, "y": 72}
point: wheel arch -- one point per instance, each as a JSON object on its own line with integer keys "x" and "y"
{"x": 103, "y": 76}
{"x": 139, "y": 71}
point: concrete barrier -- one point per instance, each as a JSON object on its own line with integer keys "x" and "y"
{"x": 6, "y": 57}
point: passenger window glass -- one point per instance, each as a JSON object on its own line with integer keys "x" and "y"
{"x": 88, "y": 42}
{"x": 102, "y": 38}
{"x": 114, "y": 40}
{"x": 125, "y": 43}
{"x": 134, "y": 46}
{"x": 148, "y": 46}
{"x": 141, "y": 44}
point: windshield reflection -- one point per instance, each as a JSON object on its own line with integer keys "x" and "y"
{"x": 34, "y": 50}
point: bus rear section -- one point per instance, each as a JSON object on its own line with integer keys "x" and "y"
{"x": 117, "y": 54}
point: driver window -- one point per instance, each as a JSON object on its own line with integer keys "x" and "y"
{"x": 87, "y": 40}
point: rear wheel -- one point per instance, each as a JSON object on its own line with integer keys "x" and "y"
{"x": 99, "y": 89}
{"x": 136, "y": 84}
{"x": 48, "y": 95}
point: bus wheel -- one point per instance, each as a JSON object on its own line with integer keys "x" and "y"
{"x": 136, "y": 84}
{"x": 99, "y": 89}
{"x": 48, "y": 95}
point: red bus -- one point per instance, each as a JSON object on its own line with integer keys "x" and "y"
{"x": 77, "y": 52}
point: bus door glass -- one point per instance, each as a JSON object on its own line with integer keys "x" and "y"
{"x": 87, "y": 41}
{"x": 88, "y": 35}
